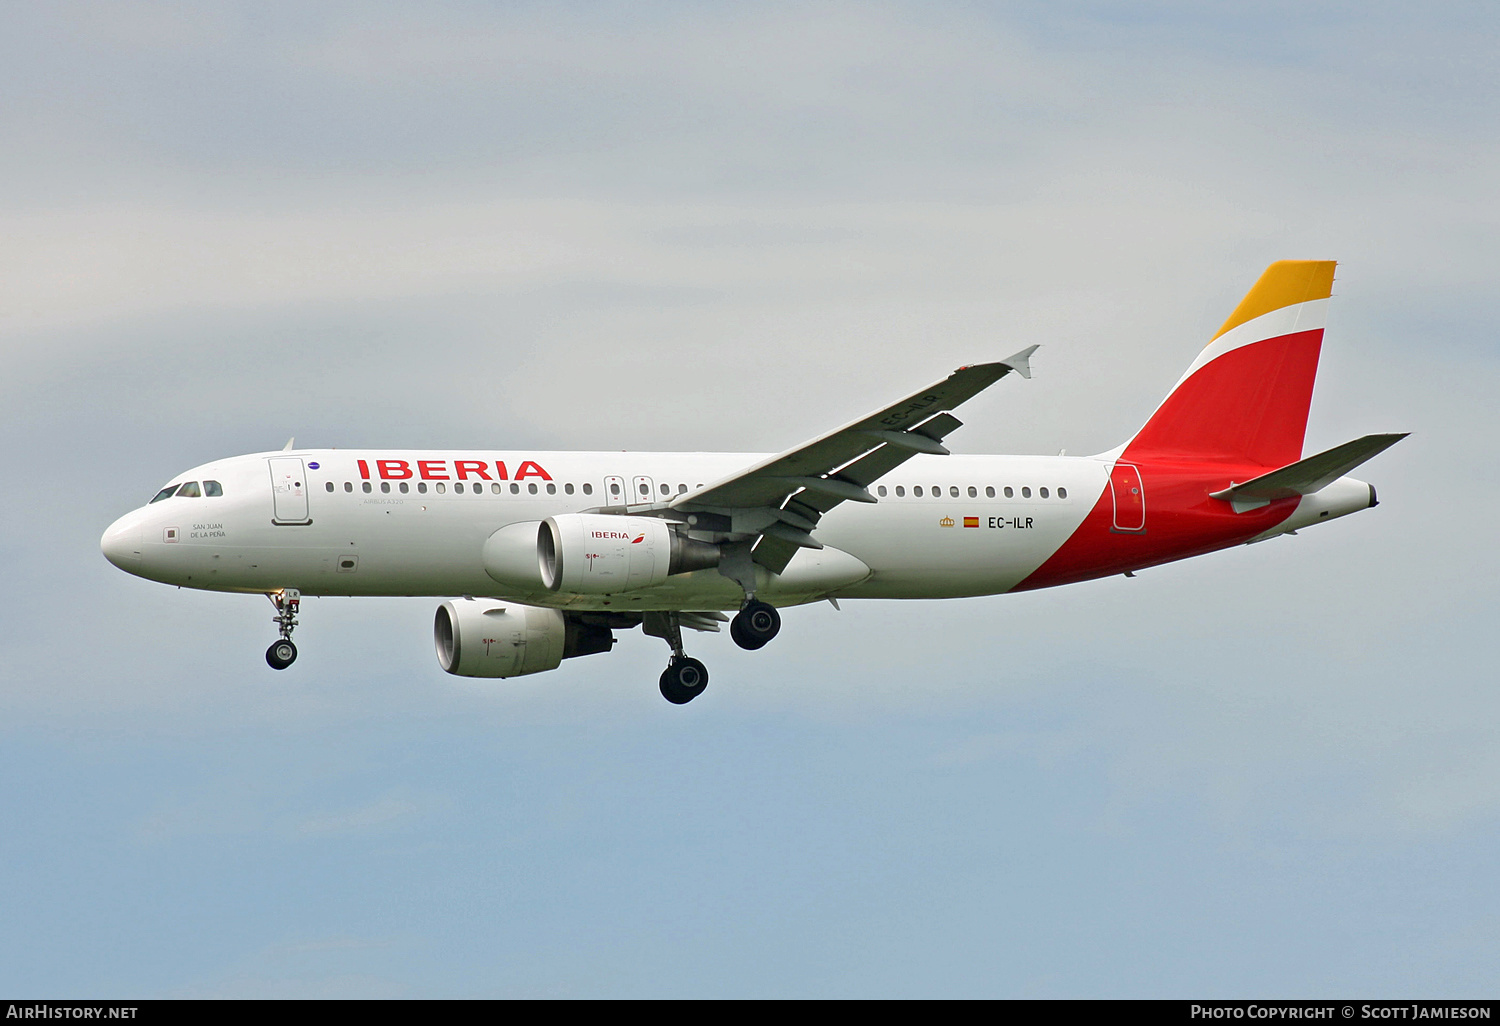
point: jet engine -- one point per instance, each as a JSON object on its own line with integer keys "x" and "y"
{"x": 599, "y": 554}
{"x": 488, "y": 638}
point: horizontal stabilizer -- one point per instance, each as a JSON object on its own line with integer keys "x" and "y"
{"x": 1307, "y": 476}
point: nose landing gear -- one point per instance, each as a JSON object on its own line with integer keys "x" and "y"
{"x": 283, "y": 653}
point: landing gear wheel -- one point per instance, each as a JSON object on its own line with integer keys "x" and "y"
{"x": 281, "y": 655}
{"x": 737, "y": 632}
{"x": 755, "y": 625}
{"x": 683, "y": 680}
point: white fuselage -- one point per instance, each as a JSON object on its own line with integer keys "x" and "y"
{"x": 350, "y": 522}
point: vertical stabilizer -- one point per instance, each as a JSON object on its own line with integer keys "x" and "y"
{"x": 1246, "y": 396}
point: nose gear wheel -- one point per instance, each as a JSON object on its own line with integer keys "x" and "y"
{"x": 283, "y": 653}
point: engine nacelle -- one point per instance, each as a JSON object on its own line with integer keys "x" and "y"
{"x": 599, "y": 554}
{"x": 478, "y": 638}
{"x": 490, "y": 638}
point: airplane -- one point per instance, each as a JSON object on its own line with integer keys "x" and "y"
{"x": 549, "y": 553}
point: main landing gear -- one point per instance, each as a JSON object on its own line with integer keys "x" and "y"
{"x": 683, "y": 680}
{"x": 757, "y": 622}
{"x": 685, "y": 677}
{"x": 283, "y": 653}
{"x": 754, "y": 625}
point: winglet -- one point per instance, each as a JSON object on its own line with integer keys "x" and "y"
{"x": 1021, "y": 362}
{"x": 288, "y": 446}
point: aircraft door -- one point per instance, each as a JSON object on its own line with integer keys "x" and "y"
{"x": 1129, "y": 497}
{"x": 614, "y": 491}
{"x": 641, "y": 490}
{"x": 289, "y": 490}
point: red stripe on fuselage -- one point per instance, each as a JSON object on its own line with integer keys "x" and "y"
{"x": 1181, "y": 521}
{"x": 1235, "y": 418}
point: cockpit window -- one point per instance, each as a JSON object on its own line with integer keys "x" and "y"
{"x": 188, "y": 491}
{"x": 212, "y": 488}
{"x": 165, "y": 493}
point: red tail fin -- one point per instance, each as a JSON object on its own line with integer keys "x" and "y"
{"x": 1246, "y": 396}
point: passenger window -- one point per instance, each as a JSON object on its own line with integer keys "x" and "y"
{"x": 916, "y": 490}
{"x": 900, "y": 491}
{"x": 682, "y": 489}
{"x": 348, "y": 486}
{"x": 330, "y": 486}
{"x": 989, "y": 493}
{"x": 937, "y": 491}
{"x": 495, "y": 488}
{"x": 1062, "y": 493}
{"x": 880, "y": 491}
{"x": 551, "y": 489}
{"x": 405, "y": 487}
{"x": 973, "y": 492}
{"x": 188, "y": 491}
{"x": 531, "y": 488}
{"x": 459, "y": 488}
{"x": 385, "y": 486}
{"x": 212, "y": 489}
{"x": 666, "y": 489}
{"x": 1042, "y": 493}
{"x": 588, "y": 489}
{"x": 953, "y": 491}
{"x": 568, "y": 489}
{"x": 442, "y": 489}
{"x": 165, "y": 493}
{"x": 1025, "y": 493}
{"x": 422, "y": 487}
{"x": 366, "y": 487}
{"x": 1009, "y": 493}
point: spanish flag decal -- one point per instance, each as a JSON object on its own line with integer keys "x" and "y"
{"x": 971, "y": 521}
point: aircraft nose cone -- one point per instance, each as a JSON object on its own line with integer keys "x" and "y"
{"x": 121, "y": 543}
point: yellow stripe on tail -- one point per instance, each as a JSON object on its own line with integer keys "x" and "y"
{"x": 1284, "y": 283}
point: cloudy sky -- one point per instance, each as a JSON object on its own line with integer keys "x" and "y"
{"x": 1270, "y": 771}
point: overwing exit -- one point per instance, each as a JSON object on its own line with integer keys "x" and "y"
{"x": 552, "y": 553}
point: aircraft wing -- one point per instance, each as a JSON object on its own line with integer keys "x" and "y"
{"x": 782, "y": 498}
